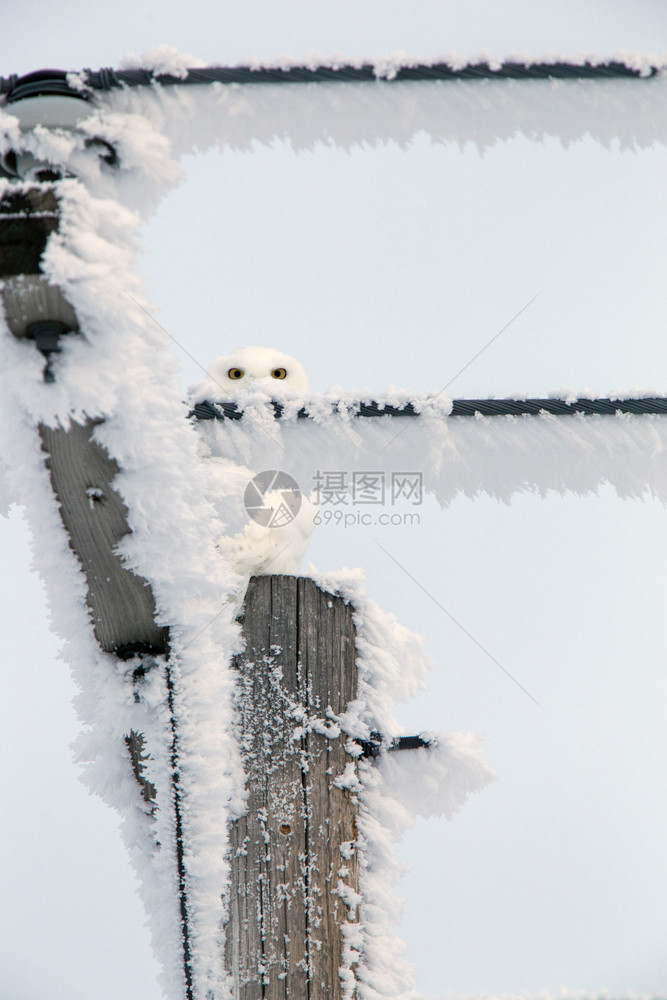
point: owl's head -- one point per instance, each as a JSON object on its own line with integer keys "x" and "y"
{"x": 258, "y": 367}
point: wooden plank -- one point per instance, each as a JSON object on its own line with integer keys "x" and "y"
{"x": 266, "y": 950}
{"x": 121, "y": 604}
{"x": 327, "y": 649}
{"x": 285, "y": 914}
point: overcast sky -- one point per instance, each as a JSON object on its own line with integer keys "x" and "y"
{"x": 375, "y": 265}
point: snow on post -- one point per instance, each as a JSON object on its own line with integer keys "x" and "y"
{"x": 295, "y": 874}
{"x": 81, "y": 470}
{"x": 99, "y": 452}
{"x": 311, "y": 909}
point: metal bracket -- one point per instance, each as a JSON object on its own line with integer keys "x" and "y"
{"x": 377, "y": 744}
{"x": 47, "y": 98}
{"x": 47, "y": 334}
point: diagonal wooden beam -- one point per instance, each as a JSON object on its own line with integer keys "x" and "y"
{"x": 121, "y": 603}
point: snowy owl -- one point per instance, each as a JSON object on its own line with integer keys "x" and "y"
{"x": 282, "y": 518}
{"x": 278, "y": 546}
{"x": 261, "y": 368}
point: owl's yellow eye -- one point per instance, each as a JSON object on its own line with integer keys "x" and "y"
{"x": 236, "y": 373}
{"x": 279, "y": 373}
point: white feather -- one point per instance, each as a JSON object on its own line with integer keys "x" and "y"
{"x": 259, "y": 550}
{"x": 279, "y": 545}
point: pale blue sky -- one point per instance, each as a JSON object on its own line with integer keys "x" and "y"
{"x": 39, "y": 34}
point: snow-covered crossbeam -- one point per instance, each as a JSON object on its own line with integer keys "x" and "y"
{"x": 619, "y": 443}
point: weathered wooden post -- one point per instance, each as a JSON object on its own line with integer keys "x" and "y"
{"x": 293, "y": 856}
{"x": 121, "y": 603}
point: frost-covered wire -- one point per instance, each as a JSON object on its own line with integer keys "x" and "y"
{"x": 16, "y": 87}
{"x": 206, "y": 410}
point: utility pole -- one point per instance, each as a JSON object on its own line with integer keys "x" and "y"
{"x": 291, "y": 906}
{"x": 121, "y": 604}
{"x": 293, "y": 855}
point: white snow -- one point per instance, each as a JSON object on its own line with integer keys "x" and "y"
{"x": 392, "y": 666}
{"x": 623, "y": 112}
{"x": 120, "y": 371}
{"x": 162, "y": 59}
{"x": 496, "y": 456}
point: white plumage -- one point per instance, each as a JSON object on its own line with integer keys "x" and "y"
{"x": 258, "y": 550}
{"x": 258, "y": 368}
{"x": 278, "y": 543}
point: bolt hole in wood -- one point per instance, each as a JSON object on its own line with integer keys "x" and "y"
{"x": 94, "y": 495}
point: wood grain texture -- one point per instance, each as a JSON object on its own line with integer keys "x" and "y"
{"x": 121, "y": 604}
{"x": 298, "y": 670}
